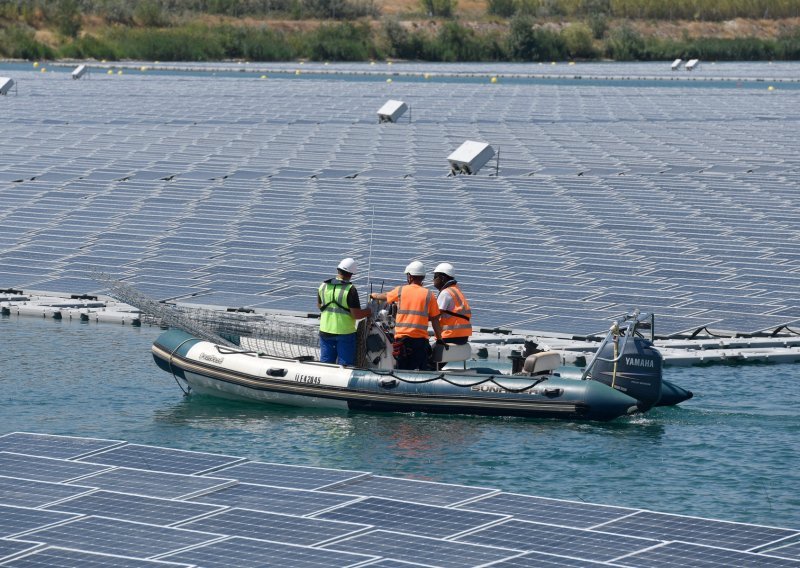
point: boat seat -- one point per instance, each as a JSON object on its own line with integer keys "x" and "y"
{"x": 452, "y": 353}
{"x": 541, "y": 363}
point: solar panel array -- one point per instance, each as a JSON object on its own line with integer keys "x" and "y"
{"x": 361, "y": 520}
{"x": 240, "y": 192}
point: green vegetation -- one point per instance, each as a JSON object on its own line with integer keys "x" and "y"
{"x": 510, "y": 30}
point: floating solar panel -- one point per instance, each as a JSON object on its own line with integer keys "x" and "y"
{"x": 248, "y": 553}
{"x": 126, "y": 507}
{"x": 683, "y": 554}
{"x": 55, "y": 557}
{"x": 11, "y": 548}
{"x": 791, "y": 551}
{"x": 591, "y": 545}
{"x": 110, "y": 536}
{"x": 169, "y": 460}
{"x": 44, "y": 469}
{"x": 551, "y": 511}
{"x": 273, "y": 526}
{"x": 29, "y": 493}
{"x": 16, "y": 520}
{"x": 421, "y": 550}
{"x": 275, "y": 499}
{"x": 292, "y": 476}
{"x": 543, "y": 560}
{"x": 412, "y": 490}
{"x": 411, "y": 518}
{"x": 663, "y": 526}
{"x": 155, "y": 483}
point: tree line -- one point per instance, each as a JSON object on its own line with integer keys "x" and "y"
{"x": 352, "y": 30}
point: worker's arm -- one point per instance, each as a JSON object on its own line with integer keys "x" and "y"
{"x": 437, "y": 327}
{"x": 360, "y": 313}
{"x": 378, "y": 296}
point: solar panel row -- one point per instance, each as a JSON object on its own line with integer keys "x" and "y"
{"x": 280, "y": 517}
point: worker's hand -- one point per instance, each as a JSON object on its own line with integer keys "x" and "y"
{"x": 443, "y": 344}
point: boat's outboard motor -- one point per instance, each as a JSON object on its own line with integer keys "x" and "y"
{"x": 636, "y": 369}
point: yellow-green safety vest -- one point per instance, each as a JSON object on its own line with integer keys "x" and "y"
{"x": 336, "y": 317}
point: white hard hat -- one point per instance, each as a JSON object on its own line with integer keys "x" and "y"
{"x": 445, "y": 268}
{"x": 415, "y": 268}
{"x": 348, "y": 265}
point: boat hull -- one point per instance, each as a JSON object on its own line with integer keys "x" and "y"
{"x": 216, "y": 370}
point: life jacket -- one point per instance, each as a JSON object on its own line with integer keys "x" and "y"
{"x": 456, "y": 323}
{"x": 335, "y": 317}
{"x": 412, "y": 311}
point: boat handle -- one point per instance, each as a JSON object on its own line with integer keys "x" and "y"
{"x": 277, "y": 372}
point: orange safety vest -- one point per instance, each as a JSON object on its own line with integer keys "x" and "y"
{"x": 455, "y": 323}
{"x": 416, "y": 305}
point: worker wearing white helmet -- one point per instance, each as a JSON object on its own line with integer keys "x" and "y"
{"x": 456, "y": 313}
{"x": 340, "y": 307}
{"x": 416, "y": 306}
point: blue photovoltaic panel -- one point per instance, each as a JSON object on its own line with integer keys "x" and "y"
{"x": 29, "y": 493}
{"x": 543, "y": 560}
{"x": 411, "y": 518}
{"x": 663, "y": 526}
{"x": 675, "y": 554}
{"x": 423, "y": 550}
{"x": 525, "y": 535}
{"x": 155, "y": 483}
{"x": 789, "y": 551}
{"x": 153, "y": 458}
{"x": 44, "y": 469}
{"x": 550, "y": 511}
{"x": 391, "y": 564}
{"x": 54, "y": 557}
{"x": 247, "y": 553}
{"x": 273, "y": 526}
{"x": 15, "y": 520}
{"x": 137, "y": 508}
{"x": 275, "y": 499}
{"x": 110, "y": 536}
{"x": 412, "y": 490}
{"x": 10, "y": 548}
{"x": 51, "y": 446}
{"x": 292, "y": 476}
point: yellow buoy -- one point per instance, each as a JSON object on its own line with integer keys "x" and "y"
{"x": 372, "y": 63}
{"x": 35, "y": 64}
{"x": 297, "y": 71}
{"x": 263, "y": 76}
{"x": 142, "y": 68}
{"x": 493, "y": 79}
{"x": 770, "y": 88}
{"x": 388, "y": 63}
{"x": 388, "y": 80}
{"x": 119, "y": 72}
{"x": 43, "y": 69}
{"x": 552, "y": 63}
{"x": 427, "y": 75}
{"x": 572, "y": 63}
{"x": 110, "y": 71}
{"x": 326, "y": 63}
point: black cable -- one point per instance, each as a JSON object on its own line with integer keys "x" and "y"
{"x": 443, "y": 377}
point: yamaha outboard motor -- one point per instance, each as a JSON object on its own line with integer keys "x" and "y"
{"x": 629, "y": 363}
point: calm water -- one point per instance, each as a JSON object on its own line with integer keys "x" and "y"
{"x": 733, "y": 452}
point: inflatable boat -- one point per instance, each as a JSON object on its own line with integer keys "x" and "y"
{"x": 624, "y": 378}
